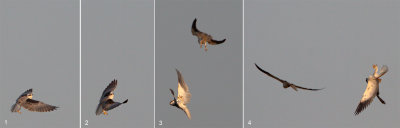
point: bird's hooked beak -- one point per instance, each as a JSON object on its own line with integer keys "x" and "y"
{"x": 172, "y": 103}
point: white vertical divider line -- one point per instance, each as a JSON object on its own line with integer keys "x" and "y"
{"x": 154, "y": 63}
{"x": 243, "y": 122}
{"x": 80, "y": 63}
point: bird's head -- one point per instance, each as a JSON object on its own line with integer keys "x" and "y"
{"x": 29, "y": 95}
{"x": 172, "y": 103}
{"x": 111, "y": 95}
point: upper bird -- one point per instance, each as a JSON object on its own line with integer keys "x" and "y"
{"x": 372, "y": 89}
{"x": 203, "y": 38}
{"x": 183, "y": 96}
{"x": 25, "y": 100}
{"x": 284, "y": 82}
{"x": 106, "y": 100}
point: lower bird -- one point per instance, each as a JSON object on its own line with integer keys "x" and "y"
{"x": 284, "y": 82}
{"x": 25, "y": 100}
{"x": 106, "y": 100}
{"x": 184, "y": 96}
{"x": 372, "y": 89}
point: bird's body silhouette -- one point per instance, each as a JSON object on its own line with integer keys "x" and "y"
{"x": 372, "y": 89}
{"x": 106, "y": 102}
{"x": 284, "y": 82}
{"x": 204, "y": 38}
{"x": 25, "y": 100}
{"x": 184, "y": 96}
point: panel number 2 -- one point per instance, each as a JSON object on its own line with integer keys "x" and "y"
{"x": 86, "y": 123}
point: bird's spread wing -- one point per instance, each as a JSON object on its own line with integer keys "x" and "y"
{"x": 294, "y": 87}
{"x": 172, "y": 92}
{"x": 186, "y": 110}
{"x": 183, "y": 89}
{"x": 306, "y": 88}
{"x": 110, "y": 88}
{"x": 110, "y": 104}
{"x": 215, "y": 42}
{"x": 368, "y": 97}
{"x": 383, "y": 71}
{"x": 37, "y": 106}
{"x": 380, "y": 99}
{"x": 195, "y": 31}
{"x": 29, "y": 91}
{"x": 269, "y": 74}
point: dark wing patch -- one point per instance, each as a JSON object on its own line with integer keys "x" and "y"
{"x": 269, "y": 74}
{"x": 362, "y": 105}
{"x": 215, "y": 42}
{"x": 380, "y": 99}
{"x": 307, "y": 88}
{"x": 172, "y": 92}
{"x": 37, "y": 106}
{"x": 110, "y": 104}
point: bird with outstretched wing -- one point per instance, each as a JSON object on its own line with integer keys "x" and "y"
{"x": 183, "y": 97}
{"x": 25, "y": 100}
{"x": 284, "y": 82}
{"x": 204, "y": 38}
{"x": 372, "y": 89}
{"x": 106, "y": 102}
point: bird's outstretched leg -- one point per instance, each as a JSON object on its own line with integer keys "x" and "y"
{"x": 205, "y": 46}
{"x": 201, "y": 43}
{"x": 105, "y": 113}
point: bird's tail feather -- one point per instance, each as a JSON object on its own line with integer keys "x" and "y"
{"x": 15, "y": 108}
{"x": 99, "y": 109}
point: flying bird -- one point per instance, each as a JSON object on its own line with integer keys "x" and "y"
{"x": 284, "y": 82}
{"x": 203, "y": 38}
{"x": 372, "y": 89}
{"x": 25, "y": 100}
{"x": 106, "y": 100}
{"x": 183, "y": 96}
